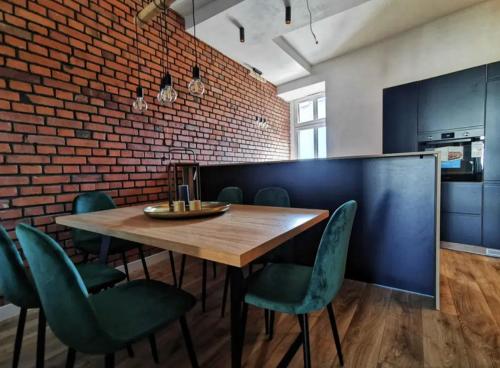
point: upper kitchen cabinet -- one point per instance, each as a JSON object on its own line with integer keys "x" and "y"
{"x": 453, "y": 101}
{"x": 400, "y": 118}
{"x": 494, "y": 71}
{"x": 492, "y": 146}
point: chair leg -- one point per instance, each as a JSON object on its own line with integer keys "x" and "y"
{"x": 125, "y": 265}
{"x": 70, "y": 358}
{"x": 214, "y": 269}
{"x": 109, "y": 360}
{"x": 144, "y": 265}
{"x": 304, "y": 326}
{"x": 183, "y": 267}
{"x": 224, "y": 295}
{"x": 266, "y": 320}
{"x": 204, "y": 286}
{"x": 130, "y": 351}
{"x": 19, "y": 337}
{"x": 335, "y": 332}
{"x": 244, "y": 318}
{"x": 172, "y": 267}
{"x": 154, "y": 349}
{"x": 40, "y": 344}
{"x": 189, "y": 342}
{"x": 271, "y": 325}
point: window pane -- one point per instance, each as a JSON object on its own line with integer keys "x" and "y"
{"x": 306, "y": 111}
{"x": 322, "y": 142}
{"x": 321, "y": 108}
{"x": 306, "y": 143}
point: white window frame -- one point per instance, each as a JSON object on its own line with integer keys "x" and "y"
{"x": 315, "y": 123}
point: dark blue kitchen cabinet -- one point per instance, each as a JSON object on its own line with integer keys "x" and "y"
{"x": 462, "y": 197}
{"x": 491, "y": 216}
{"x": 400, "y": 119}
{"x": 453, "y": 101}
{"x": 494, "y": 71}
{"x": 492, "y": 133}
{"x": 461, "y": 228}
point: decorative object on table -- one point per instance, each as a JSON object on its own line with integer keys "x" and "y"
{"x": 195, "y": 205}
{"x": 196, "y": 86}
{"x": 167, "y": 93}
{"x": 183, "y": 193}
{"x": 182, "y": 169}
{"x": 178, "y": 206}
{"x": 179, "y": 211}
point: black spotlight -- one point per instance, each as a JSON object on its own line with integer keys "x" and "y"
{"x": 242, "y": 34}
{"x": 288, "y": 14}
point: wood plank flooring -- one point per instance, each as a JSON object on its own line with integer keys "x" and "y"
{"x": 378, "y": 327}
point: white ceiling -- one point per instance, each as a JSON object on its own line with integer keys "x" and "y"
{"x": 287, "y": 52}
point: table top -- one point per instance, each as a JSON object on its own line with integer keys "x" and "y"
{"x": 236, "y": 238}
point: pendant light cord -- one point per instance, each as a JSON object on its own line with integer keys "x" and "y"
{"x": 139, "y": 63}
{"x": 194, "y": 31}
{"x": 310, "y": 22}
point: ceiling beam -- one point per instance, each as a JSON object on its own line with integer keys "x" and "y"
{"x": 294, "y": 54}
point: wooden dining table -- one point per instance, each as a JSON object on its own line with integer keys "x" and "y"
{"x": 236, "y": 238}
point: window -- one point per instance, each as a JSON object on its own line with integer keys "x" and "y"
{"x": 309, "y": 115}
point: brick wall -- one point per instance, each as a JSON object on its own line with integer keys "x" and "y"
{"x": 68, "y": 73}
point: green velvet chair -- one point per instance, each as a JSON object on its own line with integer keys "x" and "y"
{"x": 300, "y": 290}
{"x": 90, "y": 243}
{"x": 16, "y": 286}
{"x": 233, "y": 195}
{"x": 102, "y": 323}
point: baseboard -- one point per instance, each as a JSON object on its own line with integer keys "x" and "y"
{"x": 10, "y": 310}
{"x": 475, "y": 249}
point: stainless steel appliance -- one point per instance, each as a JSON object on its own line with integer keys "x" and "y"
{"x": 462, "y": 154}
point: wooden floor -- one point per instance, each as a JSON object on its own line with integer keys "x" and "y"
{"x": 378, "y": 327}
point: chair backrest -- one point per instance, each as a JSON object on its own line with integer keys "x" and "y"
{"x": 15, "y": 285}
{"x": 62, "y": 293}
{"x": 90, "y": 202}
{"x": 329, "y": 267}
{"x": 232, "y": 195}
{"x": 272, "y": 196}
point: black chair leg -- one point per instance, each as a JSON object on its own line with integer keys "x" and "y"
{"x": 266, "y": 320}
{"x": 40, "y": 344}
{"x": 154, "y": 349}
{"x": 224, "y": 295}
{"x": 335, "y": 332}
{"x": 204, "y": 286}
{"x": 70, "y": 358}
{"x": 189, "y": 342}
{"x": 172, "y": 267}
{"x": 109, "y": 360}
{"x": 144, "y": 265}
{"x": 183, "y": 267}
{"x": 304, "y": 326}
{"x": 214, "y": 269}
{"x": 125, "y": 265}
{"x": 130, "y": 351}
{"x": 271, "y": 325}
{"x": 244, "y": 318}
{"x": 19, "y": 337}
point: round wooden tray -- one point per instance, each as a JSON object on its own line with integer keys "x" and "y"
{"x": 166, "y": 211}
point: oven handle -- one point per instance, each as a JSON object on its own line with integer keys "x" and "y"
{"x": 444, "y": 141}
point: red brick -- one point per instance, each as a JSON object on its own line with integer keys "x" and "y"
{"x": 32, "y": 201}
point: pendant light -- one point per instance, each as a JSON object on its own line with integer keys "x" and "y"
{"x": 167, "y": 93}
{"x": 139, "y": 104}
{"x": 288, "y": 14}
{"x": 196, "y": 86}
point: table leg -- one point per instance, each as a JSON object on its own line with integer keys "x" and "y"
{"x": 236, "y": 276}
{"x": 103, "y": 252}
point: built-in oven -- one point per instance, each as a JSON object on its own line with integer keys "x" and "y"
{"x": 462, "y": 155}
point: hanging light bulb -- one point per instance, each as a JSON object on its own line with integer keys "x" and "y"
{"x": 196, "y": 86}
{"x": 140, "y": 104}
{"x": 167, "y": 93}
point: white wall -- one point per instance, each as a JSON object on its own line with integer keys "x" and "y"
{"x": 354, "y": 82}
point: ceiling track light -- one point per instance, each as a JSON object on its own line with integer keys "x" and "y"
{"x": 242, "y": 34}
{"x": 288, "y": 14}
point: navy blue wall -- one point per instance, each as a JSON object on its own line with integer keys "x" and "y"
{"x": 393, "y": 240}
